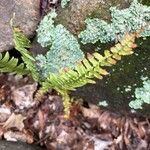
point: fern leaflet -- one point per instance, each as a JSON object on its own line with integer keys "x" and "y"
{"x": 8, "y": 64}
{"x": 21, "y": 43}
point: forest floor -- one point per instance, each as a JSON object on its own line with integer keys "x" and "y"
{"x": 88, "y": 128}
{"x": 22, "y": 119}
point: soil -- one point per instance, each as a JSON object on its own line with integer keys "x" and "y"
{"x": 89, "y": 127}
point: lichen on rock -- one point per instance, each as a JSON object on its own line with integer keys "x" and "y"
{"x": 74, "y": 15}
{"x": 64, "y": 3}
{"x": 142, "y": 95}
{"x": 63, "y": 48}
{"x": 131, "y": 19}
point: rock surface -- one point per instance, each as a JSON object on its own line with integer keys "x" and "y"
{"x": 74, "y": 15}
{"x": 4, "y": 145}
{"x": 27, "y": 14}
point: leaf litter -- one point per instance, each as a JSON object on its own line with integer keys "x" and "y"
{"x": 42, "y": 123}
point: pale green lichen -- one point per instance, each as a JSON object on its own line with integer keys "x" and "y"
{"x": 142, "y": 95}
{"x": 64, "y": 49}
{"x": 45, "y": 31}
{"x": 64, "y": 3}
{"x": 103, "y": 103}
{"x": 131, "y": 19}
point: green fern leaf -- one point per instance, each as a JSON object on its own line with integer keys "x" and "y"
{"x": 89, "y": 68}
{"x": 8, "y": 64}
{"x": 85, "y": 72}
{"x": 21, "y": 43}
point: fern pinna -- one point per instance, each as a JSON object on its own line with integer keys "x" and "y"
{"x": 21, "y": 44}
{"x": 10, "y": 64}
{"x": 88, "y": 69}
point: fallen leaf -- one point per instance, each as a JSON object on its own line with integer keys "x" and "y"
{"x": 23, "y": 96}
{"x": 42, "y": 119}
{"x": 4, "y": 114}
{"x": 18, "y": 136}
{"x": 15, "y": 120}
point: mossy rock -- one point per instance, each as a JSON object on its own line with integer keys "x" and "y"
{"x": 118, "y": 88}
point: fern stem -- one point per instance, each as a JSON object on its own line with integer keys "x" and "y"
{"x": 66, "y": 103}
{"x": 65, "y": 97}
{"x": 39, "y": 94}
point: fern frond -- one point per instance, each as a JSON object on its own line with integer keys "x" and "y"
{"x": 8, "y": 64}
{"x": 86, "y": 71}
{"x": 89, "y": 68}
{"x": 21, "y": 43}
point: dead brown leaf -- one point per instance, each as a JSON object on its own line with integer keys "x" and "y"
{"x": 23, "y": 96}
{"x": 18, "y": 136}
{"x": 15, "y": 120}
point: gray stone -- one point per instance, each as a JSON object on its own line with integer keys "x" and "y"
{"x": 4, "y": 145}
{"x": 27, "y": 14}
{"x": 74, "y": 15}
